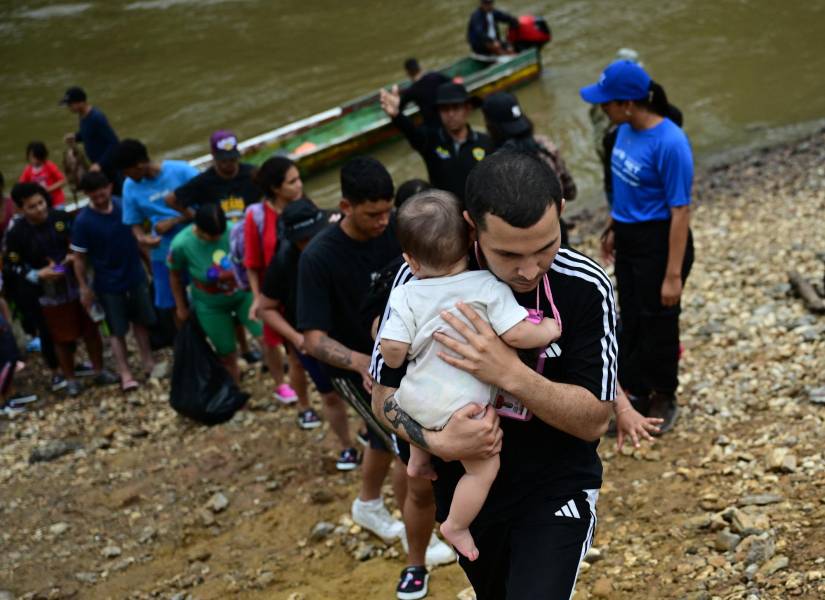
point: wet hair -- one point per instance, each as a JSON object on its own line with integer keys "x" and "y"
{"x": 432, "y": 230}
{"x": 93, "y": 181}
{"x": 411, "y": 66}
{"x": 410, "y": 188}
{"x": 210, "y": 219}
{"x": 130, "y": 153}
{"x": 655, "y": 101}
{"x": 515, "y": 186}
{"x": 38, "y": 150}
{"x": 272, "y": 173}
{"x": 364, "y": 179}
{"x": 22, "y": 191}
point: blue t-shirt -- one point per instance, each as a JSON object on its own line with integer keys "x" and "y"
{"x": 111, "y": 248}
{"x": 144, "y": 200}
{"x": 652, "y": 172}
{"x": 98, "y": 137}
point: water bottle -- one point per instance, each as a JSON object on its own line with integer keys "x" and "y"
{"x": 96, "y": 312}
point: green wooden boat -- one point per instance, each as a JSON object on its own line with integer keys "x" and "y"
{"x": 329, "y": 137}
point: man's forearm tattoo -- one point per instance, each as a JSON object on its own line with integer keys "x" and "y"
{"x": 333, "y": 353}
{"x": 398, "y": 419}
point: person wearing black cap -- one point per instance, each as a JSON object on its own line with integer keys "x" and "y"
{"x": 95, "y": 133}
{"x": 453, "y": 148}
{"x": 300, "y": 221}
{"x": 482, "y": 30}
{"x": 422, "y": 91}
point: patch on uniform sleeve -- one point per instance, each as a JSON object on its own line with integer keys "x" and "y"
{"x": 442, "y": 152}
{"x": 479, "y": 153}
{"x": 14, "y": 257}
{"x": 59, "y": 226}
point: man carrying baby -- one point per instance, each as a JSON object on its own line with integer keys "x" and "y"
{"x": 539, "y": 516}
{"x": 435, "y": 239}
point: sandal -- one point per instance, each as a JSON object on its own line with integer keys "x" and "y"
{"x": 129, "y": 386}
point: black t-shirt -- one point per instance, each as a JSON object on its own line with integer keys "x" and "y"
{"x": 234, "y": 195}
{"x": 448, "y": 164}
{"x": 536, "y": 458}
{"x": 422, "y": 92}
{"x": 334, "y": 274}
{"x": 281, "y": 279}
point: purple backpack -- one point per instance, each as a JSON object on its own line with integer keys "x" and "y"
{"x": 237, "y": 245}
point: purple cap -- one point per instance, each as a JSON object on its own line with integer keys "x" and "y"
{"x": 224, "y": 145}
{"x": 622, "y": 80}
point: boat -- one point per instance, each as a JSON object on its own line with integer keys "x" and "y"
{"x": 329, "y": 137}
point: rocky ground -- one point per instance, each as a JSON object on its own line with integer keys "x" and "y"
{"x": 108, "y": 496}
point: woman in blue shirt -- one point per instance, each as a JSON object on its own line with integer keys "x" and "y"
{"x": 649, "y": 233}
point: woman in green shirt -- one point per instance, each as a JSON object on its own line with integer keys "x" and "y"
{"x": 202, "y": 250}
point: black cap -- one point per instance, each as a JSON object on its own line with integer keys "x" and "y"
{"x": 503, "y": 109}
{"x": 302, "y": 220}
{"x": 454, "y": 93}
{"x": 73, "y": 94}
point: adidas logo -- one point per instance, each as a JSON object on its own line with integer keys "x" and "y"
{"x": 568, "y": 510}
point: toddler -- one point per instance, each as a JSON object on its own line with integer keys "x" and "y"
{"x": 435, "y": 241}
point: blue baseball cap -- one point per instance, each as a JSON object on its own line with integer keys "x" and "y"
{"x": 622, "y": 80}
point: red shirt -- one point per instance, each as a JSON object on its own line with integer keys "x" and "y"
{"x": 46, "y": 174}
{"x": 259, "y": 249}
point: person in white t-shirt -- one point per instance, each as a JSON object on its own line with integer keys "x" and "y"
{"x": 435, "y": 240}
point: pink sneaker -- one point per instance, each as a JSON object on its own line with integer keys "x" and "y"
{"x": 285, "y": 394}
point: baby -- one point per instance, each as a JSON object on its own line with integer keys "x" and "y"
{"x": 435, "y": 240}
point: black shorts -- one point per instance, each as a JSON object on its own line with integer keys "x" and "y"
{"x": 535, "y": 552}
{"x": 351, "y": 390}
{"x": 132, "y": 306}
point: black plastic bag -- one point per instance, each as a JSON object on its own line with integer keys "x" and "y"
{"x": 202, "y": 388}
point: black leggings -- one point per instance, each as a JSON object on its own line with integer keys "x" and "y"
{"x": 649, "y": 337}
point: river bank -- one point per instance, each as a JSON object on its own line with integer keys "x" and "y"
{"x": 142, "y": 504}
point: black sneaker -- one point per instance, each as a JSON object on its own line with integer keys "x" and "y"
{"x": 73, "y": 388}
{"x": 58, "y": 383}
{"x": 348, "y": 460}
{"x": 663, "y": 406}
{"x": 22, "y": 400}
{"x": 84, "y": 369}
{"x": 309, "y": 419}
{"x": 412, "y": 584}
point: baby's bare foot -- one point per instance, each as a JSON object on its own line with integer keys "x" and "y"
{"x": 424, "y": 470}
{"x": 461, "y": 539}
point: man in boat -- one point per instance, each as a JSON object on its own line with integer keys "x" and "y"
{"x": 482, "y": 31}
{"x": 451, "y": 149}
{"x": 95, "y": 133}
{"x": 422, "y": 91}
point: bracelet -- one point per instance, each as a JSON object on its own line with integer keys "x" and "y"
{"x": 625, "y": 409}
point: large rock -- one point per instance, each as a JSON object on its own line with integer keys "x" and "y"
{"x": 53, "y": 450}
{"x": 218, "y": 502}
{"x": 781, "y": 460}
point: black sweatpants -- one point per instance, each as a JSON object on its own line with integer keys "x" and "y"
{"x": 649, "y": 337}
{"x": 536, "y": 551}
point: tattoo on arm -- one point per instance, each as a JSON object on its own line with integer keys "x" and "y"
{"x": 333, "y": 353}
{"x": 398, "y": 419}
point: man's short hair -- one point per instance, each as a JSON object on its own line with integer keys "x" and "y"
{"x": 210, "y": 219}
{"x": 22, "y": 191}
{"x": 130, "y": 153}
{"x": 514, "y": 186}
{"x": 410, "y": 188}
{"x": 364, "y": 179}
{"x": 93, "y": 181}
{"x": 411, "y": 66}
{"x": 432, "y": 230}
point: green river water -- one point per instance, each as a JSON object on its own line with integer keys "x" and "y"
{"x": 171, "y": 71}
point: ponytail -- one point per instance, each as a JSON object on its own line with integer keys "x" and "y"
{"x": 655, "y": 101}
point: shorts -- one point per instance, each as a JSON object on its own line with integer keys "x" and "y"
{"x": 351, "y": 390}
{"x": 536, "y": 550}
{"x": 271, "y": 337}
{"x": 313, "y": 368}
{"x": 217, "y": 314}
{"x": 163, "y": 289}
{"x": 68, "y": 322}
{"x": 131, "y": 306}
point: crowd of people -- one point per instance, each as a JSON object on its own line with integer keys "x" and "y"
{"x": 483, "y": 357}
